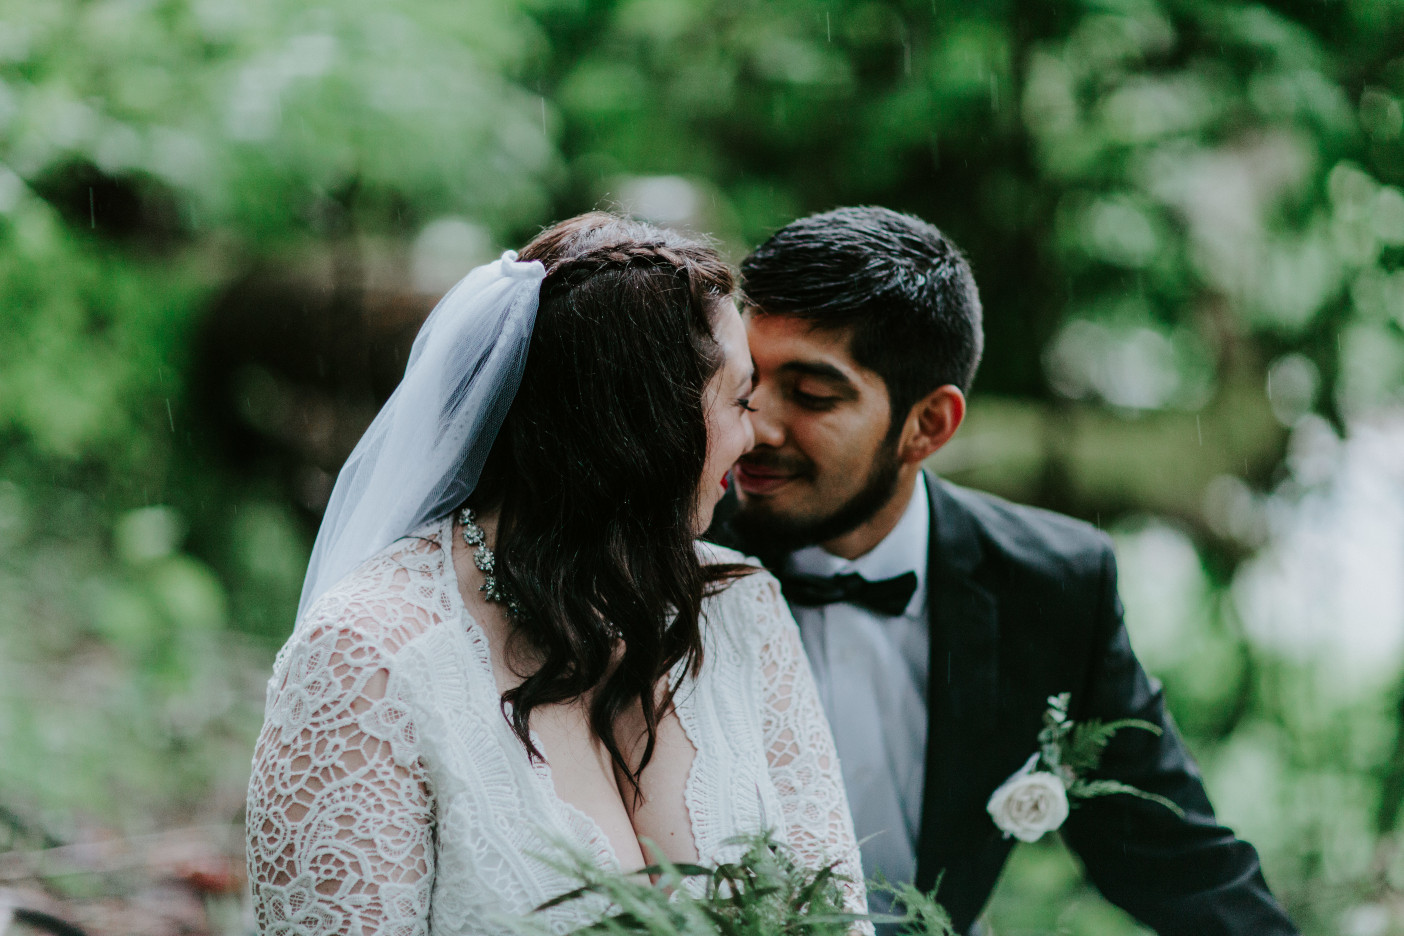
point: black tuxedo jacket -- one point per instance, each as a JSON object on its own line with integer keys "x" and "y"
{"x": 1023, "y": 605}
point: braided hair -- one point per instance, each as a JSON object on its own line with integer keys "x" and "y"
{"x": 595, "y": 472}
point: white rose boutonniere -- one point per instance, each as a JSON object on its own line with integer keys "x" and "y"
{"x": 1041, "y": 794}
{"x": 1029, "y": 803}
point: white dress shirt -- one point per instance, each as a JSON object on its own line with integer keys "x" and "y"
{"x": 871, "y": 670}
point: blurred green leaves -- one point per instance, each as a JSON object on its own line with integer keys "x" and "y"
{"x": 1186, "y": 218}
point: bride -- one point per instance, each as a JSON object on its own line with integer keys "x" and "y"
{"x": 509, "y": 640}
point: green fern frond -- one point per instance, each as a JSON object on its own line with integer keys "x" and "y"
{"x": 1088, "y": 739}
{"x": 766, "y": 892}
{"x": 1087, "y": 789}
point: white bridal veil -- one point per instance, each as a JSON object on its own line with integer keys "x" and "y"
{"x": 424, "y": 451}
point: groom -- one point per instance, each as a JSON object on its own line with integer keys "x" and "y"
{"x": 939, "y": 620}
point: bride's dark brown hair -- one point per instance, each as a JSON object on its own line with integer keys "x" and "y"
{"x": 595, "y": 472}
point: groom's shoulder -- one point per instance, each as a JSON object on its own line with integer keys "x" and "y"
{"x": 1025, "y": 536}
{"x": 1048, "y": 572}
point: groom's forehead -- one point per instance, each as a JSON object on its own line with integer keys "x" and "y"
{"x": 778, "y": 328}
{"x": 794, "y": 345}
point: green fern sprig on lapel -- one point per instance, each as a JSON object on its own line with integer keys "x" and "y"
{"x": 1037, "y": 797}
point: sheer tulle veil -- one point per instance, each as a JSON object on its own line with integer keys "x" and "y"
{"x": 425, "y": 449}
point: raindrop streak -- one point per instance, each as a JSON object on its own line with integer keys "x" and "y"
{"x": 828, "y": 30}
{"x": 907, "y": 56}
{"x": 92, "y": 209}
{"x": 1269, "y": 385}
{"x": 1198, "y": 429}
{"x": 169, "y": 417}
{"x": 543, "y": 118}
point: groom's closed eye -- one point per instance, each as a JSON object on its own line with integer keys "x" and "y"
{"x": 814, "y": 401}
{"x": 817, "y": 385}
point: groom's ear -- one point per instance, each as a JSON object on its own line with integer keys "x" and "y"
{"x": 930, "y": 423}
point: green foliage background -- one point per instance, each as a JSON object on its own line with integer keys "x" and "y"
{"x": 1170, "y": 204}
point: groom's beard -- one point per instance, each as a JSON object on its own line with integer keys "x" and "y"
{"x": 767, "y": 533}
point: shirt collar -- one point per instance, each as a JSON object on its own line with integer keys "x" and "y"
{"x": 904, "y": 549}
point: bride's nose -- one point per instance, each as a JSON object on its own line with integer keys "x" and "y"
{"x": 750, "y": 433}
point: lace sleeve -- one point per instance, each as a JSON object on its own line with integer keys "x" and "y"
{"x": 339, "y": 826}
{"x": 800, "y": 751}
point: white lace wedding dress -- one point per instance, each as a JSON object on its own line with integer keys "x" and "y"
{"x": 390, "y": 796}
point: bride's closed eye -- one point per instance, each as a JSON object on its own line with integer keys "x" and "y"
{"x": 745, "y": 404}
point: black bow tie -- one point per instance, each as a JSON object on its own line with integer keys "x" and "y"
{"x": 885, "y": 596}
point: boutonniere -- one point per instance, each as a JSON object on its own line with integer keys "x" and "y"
{"x": 1038, "y": 797}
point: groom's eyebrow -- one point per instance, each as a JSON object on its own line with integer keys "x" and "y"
{"x": 823, "y": 371}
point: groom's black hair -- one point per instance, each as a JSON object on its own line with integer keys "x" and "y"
{"x": 903, "y": 289}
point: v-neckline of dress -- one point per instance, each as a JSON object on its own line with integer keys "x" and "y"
{"x": 587, "y": 829}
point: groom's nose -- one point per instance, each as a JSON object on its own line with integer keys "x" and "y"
{"x": 769, "y": 430}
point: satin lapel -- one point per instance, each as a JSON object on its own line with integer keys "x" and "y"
{"x": 961, "y": 692}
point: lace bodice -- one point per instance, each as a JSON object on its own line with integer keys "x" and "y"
{"x": 390, "y": 796}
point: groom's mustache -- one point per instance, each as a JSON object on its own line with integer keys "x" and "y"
{"x": 771, "y": 461}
